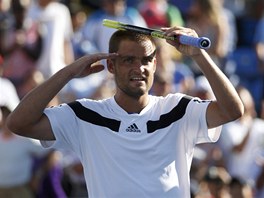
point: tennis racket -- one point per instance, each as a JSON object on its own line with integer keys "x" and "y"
{"x": 200, "y": 42}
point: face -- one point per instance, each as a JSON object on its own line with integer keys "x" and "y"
{"x": 134, "y": 68}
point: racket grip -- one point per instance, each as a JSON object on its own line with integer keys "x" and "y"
{"x": 200, "y": 42}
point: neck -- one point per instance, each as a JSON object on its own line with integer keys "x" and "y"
{"x": 131, "y": 104}
{"x": 7, "y": 135}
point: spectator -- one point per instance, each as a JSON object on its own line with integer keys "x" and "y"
{"x": 214, "y": 183}
{"x": 259, "y": 47}
{"x": 16, "y": 156}
{"x": 6, "y": 21}
{"x": 77, "y": 88}
{"x": 56, "y": 26}
{"x": 183, "y": 6}
{"x": 21, "y": 49}
{"x": 160, "y": 13}
{"x": 202, "y": 89}
{"x": 241, "y": 141}
{"x": 240, "y": 189}
{"x": 259, "y": 38}
{"x": 170, "y": 64}
{"x": 49, "y": 175}
{"x": 116, "y": 10}
{"x": 207, "y": 17}
{"x": 163, "y": 84}
{"x": 238, "y": 7}
{"x": 73, "y": 180}
{"x": 78, "y": 18}
{"x": 232, "y": 35}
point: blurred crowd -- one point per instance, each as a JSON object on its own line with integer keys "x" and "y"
{"x": 39, "y": 37}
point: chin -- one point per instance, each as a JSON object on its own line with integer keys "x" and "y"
{"x": 137, "y": 93}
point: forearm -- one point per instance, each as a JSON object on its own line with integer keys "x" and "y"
{"x": 31, "y": 108}
{"x": 228, "y": 101}
{"x": 28, "y": 118}
{"x": 227, "y": 106}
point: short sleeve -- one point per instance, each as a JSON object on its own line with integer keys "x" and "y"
{"x": 65, "y": 128}
{"x": 197, "y": 129}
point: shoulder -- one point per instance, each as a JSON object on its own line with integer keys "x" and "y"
{"x": 175, "y": 98}
{"x": 171, "y": 101}
{"x": 89, "y": 105}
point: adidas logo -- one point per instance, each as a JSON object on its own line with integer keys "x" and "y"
{"x": 133, "y": 128}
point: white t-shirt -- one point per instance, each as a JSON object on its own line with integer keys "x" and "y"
{"x": 56, "y": 27}
{"x": 133, "y": 155}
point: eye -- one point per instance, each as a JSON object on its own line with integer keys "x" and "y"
{"x": 146, "y": 60}
{"x": 129, "y": 60}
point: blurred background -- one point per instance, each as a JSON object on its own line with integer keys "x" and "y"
{"x": 39, "y": 37}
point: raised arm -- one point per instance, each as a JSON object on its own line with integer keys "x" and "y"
{"x": 28, "y": 118}
{"x": 227, "y": 106}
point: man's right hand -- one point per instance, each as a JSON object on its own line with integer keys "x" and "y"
{"x": 89, "y": 64}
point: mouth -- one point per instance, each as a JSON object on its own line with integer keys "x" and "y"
{"x": 137, "y": 79}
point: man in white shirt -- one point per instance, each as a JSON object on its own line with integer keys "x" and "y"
{"x": 132, "y": 144}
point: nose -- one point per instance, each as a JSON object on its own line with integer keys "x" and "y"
{"x": 138, "y": 65}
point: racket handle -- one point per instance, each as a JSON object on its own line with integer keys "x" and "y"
{"x": 200, "y": 42}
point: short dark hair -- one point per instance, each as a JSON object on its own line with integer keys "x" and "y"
{"x": 121, "y": 35}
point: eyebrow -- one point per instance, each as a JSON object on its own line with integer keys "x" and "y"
{"x": 152, "y": 55}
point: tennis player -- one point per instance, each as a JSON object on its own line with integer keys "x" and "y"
{"x": 132, "y": 144}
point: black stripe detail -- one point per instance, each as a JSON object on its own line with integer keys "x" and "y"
{"x": 90, "y": 116}
{"x": 167, "y": 119}
{"x": 135, "y": 126}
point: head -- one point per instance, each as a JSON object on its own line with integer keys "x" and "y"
{"x": 216, "y": 179}
{"x": 163, "y": 83}
{"x": 236, "y": 188}
{"x": 4, "y": 5}
{"x": 114, "y": 7}
{"x": 206, "y": 8}
{"x": 135, "y": 66}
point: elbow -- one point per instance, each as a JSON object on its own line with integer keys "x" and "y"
{"x": 12, "y": 126}
{"x": 236, "y": 112}
{"x": 9, "y": 124}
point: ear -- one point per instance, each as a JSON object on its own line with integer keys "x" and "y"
{"x": 110, "y": 66}
{"x": 155, "y": 65}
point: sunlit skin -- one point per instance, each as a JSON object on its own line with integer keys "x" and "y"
{"x": 134, "y": 70}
